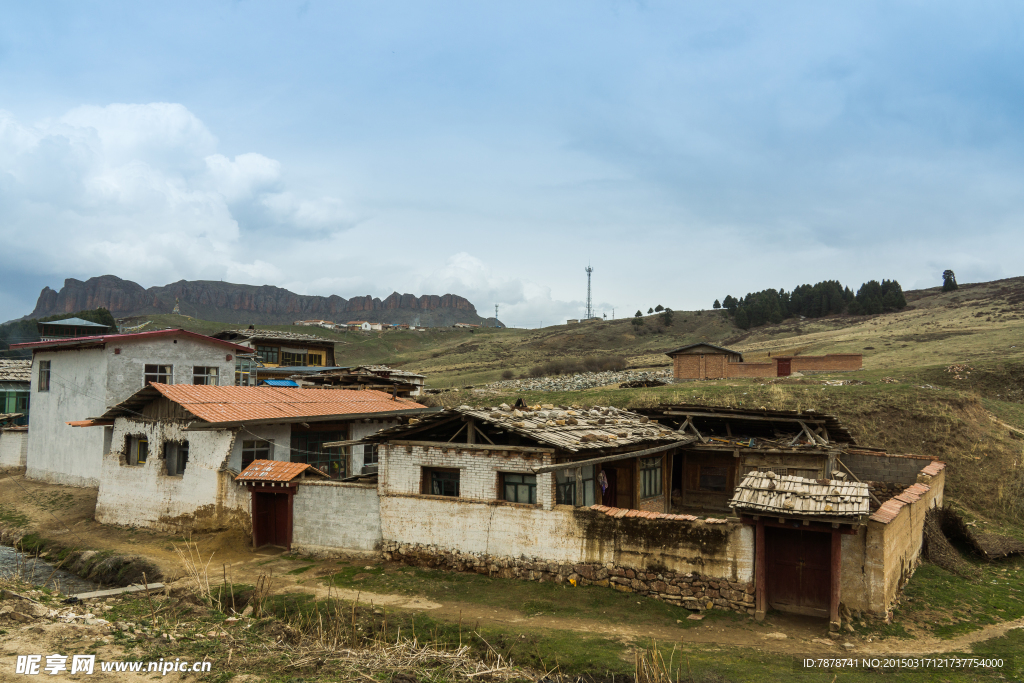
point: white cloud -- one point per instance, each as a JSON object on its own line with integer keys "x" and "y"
{"x": 141, "y": 191}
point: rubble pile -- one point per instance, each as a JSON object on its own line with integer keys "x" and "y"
{"x": 585, "y": 380}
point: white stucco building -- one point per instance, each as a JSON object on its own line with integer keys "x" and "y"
{"x": 82, "y": 376}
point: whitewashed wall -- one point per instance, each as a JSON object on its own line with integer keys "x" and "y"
{"x": 330, "y": 516}
{"x": 361, "y": 430}
{"x": 203, "y": 498}
{"x": 13, "y": 447}
{"x": 280, "y": 434}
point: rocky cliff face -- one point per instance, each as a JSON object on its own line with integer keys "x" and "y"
{"x": 249, "y": 304}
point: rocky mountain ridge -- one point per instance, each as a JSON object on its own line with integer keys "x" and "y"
{"x": 249, "y": 304}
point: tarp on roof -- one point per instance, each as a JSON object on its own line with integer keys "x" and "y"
{"x": 279, "y": 383}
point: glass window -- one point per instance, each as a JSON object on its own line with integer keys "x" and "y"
{"x": 176, "y": 457}
{"x": 316, "y": 359}
{"x": 163, "y": 374}
{"x": 245, "y": 372}
{"x": 714, "y": 478}
{"x": 267, "y": 354}
{"x": 650, "y": 477}
{"x": 138, "y": 450}
{"x": 309, "y": 447}
{"x": 442, "y": 482}
{"x": 370, "y": 454}
{"x": 519, "y": 488}
{"x": 565, "y": 486}
{"x": 256, "y": 450}
{"x": 44, "y": 376}
{"x": 204, "y": 375}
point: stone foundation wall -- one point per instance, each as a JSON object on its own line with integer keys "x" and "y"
{"x": 690, "y": 590}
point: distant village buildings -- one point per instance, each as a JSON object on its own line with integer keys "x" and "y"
{"x": 708, "y": 361}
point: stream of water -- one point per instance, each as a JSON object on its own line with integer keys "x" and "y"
{"x": 40, "y": 573}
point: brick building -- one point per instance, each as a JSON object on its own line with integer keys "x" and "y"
{"x": 709, "y": 361}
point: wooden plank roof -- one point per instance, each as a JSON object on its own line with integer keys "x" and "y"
{"x": 769, "y": 494}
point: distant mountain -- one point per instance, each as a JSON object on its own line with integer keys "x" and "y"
{"x": 249, "y": 304}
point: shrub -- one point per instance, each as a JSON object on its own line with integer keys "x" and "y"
{"x": 569, "y": 366}
{"x": 507, "y": 374}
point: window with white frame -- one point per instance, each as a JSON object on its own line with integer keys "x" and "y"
{"x": 370, "y": 454}
{"x": 650, "y": 477}
{"x": 256, "y": 450}
{"x": 138, "y": 450}
{"x": 176, "y": 457}
{"x": 518, "y": 488}
{"x": 162, "y": 374}
{"x": 205, "y": 375}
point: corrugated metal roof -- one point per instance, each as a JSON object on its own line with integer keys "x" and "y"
{"x": 565, "y": 428}
{"x": 276, "y": 470}
{"x": 15, "y": 370}
{"x": 75, "y": 322}
{"x": 767, "y": 492}
{"x": 224, "y": 405}
{"x": 101, "y": 339}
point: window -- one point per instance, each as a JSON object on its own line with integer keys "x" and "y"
{"x": 176, "y": 457}
{"x": 519, "y": 488}
{"x": 293, "y": 358}
{"x": 163, "y": 374}
{"x": 245, "y": 372}
{"x": 256, "y": 450}
{"x": 714, "y": 478}
{"x": 650, "y": 477}
{"x": 565, "y": 486}
{"x": 370, "y": 454}
{"x": 138, "y": 450}
{"x": 441, "y": 482}
{"x": 309, "y": 447}
{"x": 315, "y": 359}
{"x": 205, "y": 375}
{"x": 44, "y": 376}
{"x": 267, "y": 354}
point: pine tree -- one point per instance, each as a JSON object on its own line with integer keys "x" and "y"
{"x": 742, "y": 320}
{"x": 638, "y": 320}
{"x": 949, "y": 281}
{"x": 717, "y": 304}
{"x": 659, "y": 308}
{"x": 650, "y": 310}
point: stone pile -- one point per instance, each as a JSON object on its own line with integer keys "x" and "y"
{"x": 583, "y": 380}
{"x": 690, "y": 590}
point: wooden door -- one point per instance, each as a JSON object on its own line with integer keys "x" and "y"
{"x": 609, "y": 497}
{"x": 624, "y": 487}
{"x": 703, "y": 372}
{"x": 784, "y": 365}
{"x": 798, "y": 564}
{"x": 271, "y": 519}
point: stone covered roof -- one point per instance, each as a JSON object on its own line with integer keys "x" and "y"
{"x": 15, "y": 370}
{"x": 275, "y": 335}
{"x": 768, "y": 493}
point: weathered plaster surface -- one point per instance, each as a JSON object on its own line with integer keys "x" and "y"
{"x": 13, "y": 447}
{"x": 332, "y": 515}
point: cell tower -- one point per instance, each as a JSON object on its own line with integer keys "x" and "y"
{"x": 495, "y": 315}
{"x": 590, "y": 308}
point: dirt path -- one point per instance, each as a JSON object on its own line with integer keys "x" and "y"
{"x": 66, "y": 514}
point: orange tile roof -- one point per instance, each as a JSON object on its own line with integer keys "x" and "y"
{"x": 275, "y": 470}
{"x": 218, "y": 405}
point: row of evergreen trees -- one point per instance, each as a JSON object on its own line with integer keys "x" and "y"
{"x": 813, "y": 301}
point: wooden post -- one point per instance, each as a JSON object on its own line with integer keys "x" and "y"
{"x": 470, "y": 432}
{"x": 578, "y": 502}
{"x": 836, "y": 572}
{"x": 760, "y": 588}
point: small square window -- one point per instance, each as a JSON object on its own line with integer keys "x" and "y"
{"x": 441, "y": 482}
{"x": 205, "y": 375}
{"x": 370, "y": 454}
{"x": 256, "y": 450}
{"x": 650, "y": 477}
{"x": 138, "y": 450}
{"x": 176, "y": 457}
{"x": 161, "y": 374}
{"x": 519, "y": 488}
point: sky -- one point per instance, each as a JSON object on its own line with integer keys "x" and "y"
{"x": 685, "y": 150}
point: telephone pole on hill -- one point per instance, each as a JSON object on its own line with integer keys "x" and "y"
{"x": 590, "y": 308}
{"x": 495, "y": 315}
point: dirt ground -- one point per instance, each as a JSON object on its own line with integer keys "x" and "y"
{"x": 65, "y": 514}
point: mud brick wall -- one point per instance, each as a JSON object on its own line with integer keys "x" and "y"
{"x": 833, "y": 362}
{"x": 686, "y": 367}
{"x": 691, "y": 590}
{"x": 751, "y": 370}
{"x": 898, "y": 469}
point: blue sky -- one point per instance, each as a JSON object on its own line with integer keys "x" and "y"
{"x": 686, "y": 150}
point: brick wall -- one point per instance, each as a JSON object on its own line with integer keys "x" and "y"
{"x": 330, "y": 515}
{"x": 401, "y": 470}
{"x": 898, "y": 469}
{"x": 751, "y": 370}
{"x": 833, "y": 362}
{"x": 686, "y": 366}
{"x": 714, "y": 365}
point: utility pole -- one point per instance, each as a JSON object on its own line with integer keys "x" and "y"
{"x": 590, "y": 308}
{"x": 495, "y": 315}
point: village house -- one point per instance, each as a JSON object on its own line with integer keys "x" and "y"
{"x": 708, "y": 508}
{"x": 708, "y": 361}
{"x": 14, "y": 411}
{"x": 282, "y": 349}
{"x": 174, "y": 451}
{"x": 326, "y": 324}
{"x": 84, "y": 375}
{"x": 401, "y": 382}
{"x": 69, "y": 328}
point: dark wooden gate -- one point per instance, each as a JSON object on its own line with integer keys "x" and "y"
{"x": 784, "y": 365}
{"x": 271, "y": 519}
{"x": 799, "y": 570}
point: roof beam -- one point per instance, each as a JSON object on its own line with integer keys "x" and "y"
{"x": 465, "y": 446}
{"x": 612, "y": 458}
{"x": 758, "y": 418}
